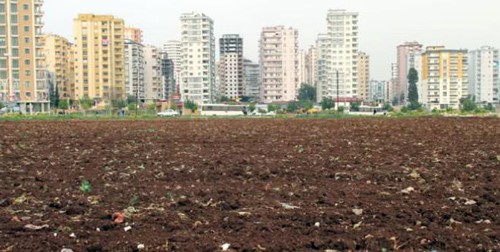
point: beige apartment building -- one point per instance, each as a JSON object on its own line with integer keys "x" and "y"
{"x": 364, "y": 76}
{"x": 59, "y": 60}
{"x": 445, "y": 77}
{"x": 279, "y": 64}
{"x": 23, "y": 84}
{"x": 99, "y": 58}
{"x": 134, "y": 34}
{"x": 311, "y": 66}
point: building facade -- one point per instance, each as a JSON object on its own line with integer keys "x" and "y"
{"x": 445, "y": 77}
{"x": 172, "y": 48}
{"x": 168, "y": 75}
{"x": 134, "y": 34}
{"x": 484, "y": 83}
{"x": 59, "y": 60}
{"x": 302, "y": 68}
{"x": 99, "y": 58}
{"x": 231, "y": 81}
{"x": 363, "y": 76}
{"x": 377, "y": 91}
{"x": 408, "y": 54}
{"x": 134, "y": 70}
{"x": 337, "y": 55}
{"x": 279, "y": 64}
{"x": 154, "y": 89}
{"x": 197, "y": 58}
{"x": 23, "y": 83}
{"x": 311, "y": 66}
{"x": 252, "y": 79}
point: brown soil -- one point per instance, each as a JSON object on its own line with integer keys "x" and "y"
{"x": 275, "y": 185}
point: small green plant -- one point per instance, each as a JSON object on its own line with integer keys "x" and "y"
{"x": 85, "y": 186}
{"x": 404, "y": 110}
{"x": 133, "y": 200}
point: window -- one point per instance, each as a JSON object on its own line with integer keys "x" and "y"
{"x": 27, "y": 84}
{"x": 26, "y": 17}
{"x": 13, "y": 7}
{"x": 2, "y": 7}
{"x": 15, "y": 41}
{"x": 2, "y": 19}
{"x": 26, "y": 28}
{"x": 27, "y": 51}
{"x": 15, "y": 52}
{"x": 27, "y": 40}
{"x": 27, "y": 73}
{"x": 14, "y": 30}
{"x": 13, "y": 19}
{"x": 2, "y": 30}
{"x": 15, "y": 64}
{"x": 26, "y": 6}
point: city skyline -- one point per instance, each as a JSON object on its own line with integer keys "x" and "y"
{"x": 383, "y": 25}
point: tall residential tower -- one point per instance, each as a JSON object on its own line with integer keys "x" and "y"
{"x": 483, "y": 75}
{"x": 231, "y": 66}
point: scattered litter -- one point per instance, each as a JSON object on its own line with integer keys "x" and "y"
{"x": 98, "y": 229}
{"x": 357, "y": 212}
{"x": 141, "y": 247}
{"x": 470, "y": 202}
{"x": 225, "y": 246}
{"x": 357, "y": 225}
{"x": 244, "y": 213}
{"x": 118, "y": 217}
{"x": 66, "y": 250}
{"x": 483, "y": 222}
{"x": 72, "y": 235}
{"x": 34, "y": 227}
{"x": 127, "y": 228}
{"x": 408, "y": 190}
{"x": 288, "y": 206}
{"x": 452, "y": 221}
{"x": 317, "y": 224}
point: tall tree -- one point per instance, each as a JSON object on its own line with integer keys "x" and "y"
{"x": 327, "y": 103}
{"x": 412, "y": 89}
{"x": 307, "y": 93}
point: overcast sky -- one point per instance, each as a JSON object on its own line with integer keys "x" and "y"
{"x": 383, "y": 23}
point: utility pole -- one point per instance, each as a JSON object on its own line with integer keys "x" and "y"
{"x": 9, "y": 84}
{"x": 338, "y": 101}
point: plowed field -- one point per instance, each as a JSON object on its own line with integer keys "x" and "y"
{"x": 253, "y": 185}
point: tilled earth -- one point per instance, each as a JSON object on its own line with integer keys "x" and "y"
{"x": 253, "y": 185}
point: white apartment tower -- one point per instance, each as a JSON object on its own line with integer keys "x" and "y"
{"x": 197, "y": 58}
{"x": 311, "y": 66}
{"x": 337, "y": 53}
{"x": 409, "y": 56}
{"x": 484, "y": 83}
{"x": 134, "y": 69}
{"x": 279, "y": 64}
{"x": 154, "y": 89}
{"x": 174, "y": 52}
{"x": 231, "y": 66}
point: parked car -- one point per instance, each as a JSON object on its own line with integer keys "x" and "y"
{"x": 168, "y": 113}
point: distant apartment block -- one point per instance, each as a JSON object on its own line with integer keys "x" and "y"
{"x": 23, "y": 82}
{"x": 311, "y": 66}
{"x": 198, "y": 58}
{"x": 252, "y": 79}
{"x": 445, "y": 77}
{"x": 408, "y": 57}
{"x": 279, "y": 64}
{"x": 484, "y": 83}
{"x": 134, "y": 34}
{"x": 59, "y": 60}
{"x": 168, "y": 75}
{"x": 99, "y": 58}
{"x": 363, "y": 75}
{"x": 337, "y": 53}
{"x": 377, "y": 91}
{"x": 134, "y": 70}
{"x": 302, "y": 68}
{"x": 231, "y": 82}
{"x": 174, "y": 52}
{"x": 154, "y": 89}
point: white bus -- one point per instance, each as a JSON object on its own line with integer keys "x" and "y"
{"x": 223, "y": 110}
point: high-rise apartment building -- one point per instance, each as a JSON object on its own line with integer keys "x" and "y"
{"x": 252, "y": 79}
{"x": 134, "y": 34}
{"x": 59, "y": 60}
{"x": 311, "y": 66}
{"x": 445, "y": 77}
{"x": 134, "y": 70}
{"x": 231, "y": 66}
{"x": 337, "y": 54}
{"x": 168, "y": 75}
{"x": 173, "y": 50}
{"x": 99, "y": 58}
{"x": 154, "y": 89}
{"x": 198, "y": 58}
{"x": 484, "y": 82}
{"x": 363, "y": 76}
{"x": 377, "y": 91}
{"x": 408, "y": 57}
{"x": 22, "y": 69}
{"x": 302, "y": 68}
{"x": 279, "y": 64}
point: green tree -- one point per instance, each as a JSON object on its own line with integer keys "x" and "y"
{"x": 63, "y": 104}
{"x": 174, "y": 106}
{"x": 132, "y": 106}
{"x": 412, "y": 90}
{"x": 307, "y": 93}
{"x": 388, "y": 107}
{"x": 490, "y": 107}
{"x": 355, "y": 106}
{"x": 85, "y": 103}
{"x": 292, "y": 107}
{"x": 307, "y": 104}
{"x": 395, "y": 101}
{"x": 252, "y": 107}
{"x": 327, "y": 103}
{"x": 131, "y": 99}
{"x": 224, "y": 99}
{"x": 119, "y": 103}
{"x": 191, "y": 105}
{"x": 245, "y": 98}
{"x": 1, "y": 105}
{"x": 272, "y": 108}
{"x": 468, "y": 104}
{"x": 54, "y": 98}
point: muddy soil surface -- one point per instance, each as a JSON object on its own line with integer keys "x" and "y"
{"x": 257, "y": 185}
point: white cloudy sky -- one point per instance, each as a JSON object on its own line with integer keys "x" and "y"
{"x": 383, "y": 23}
